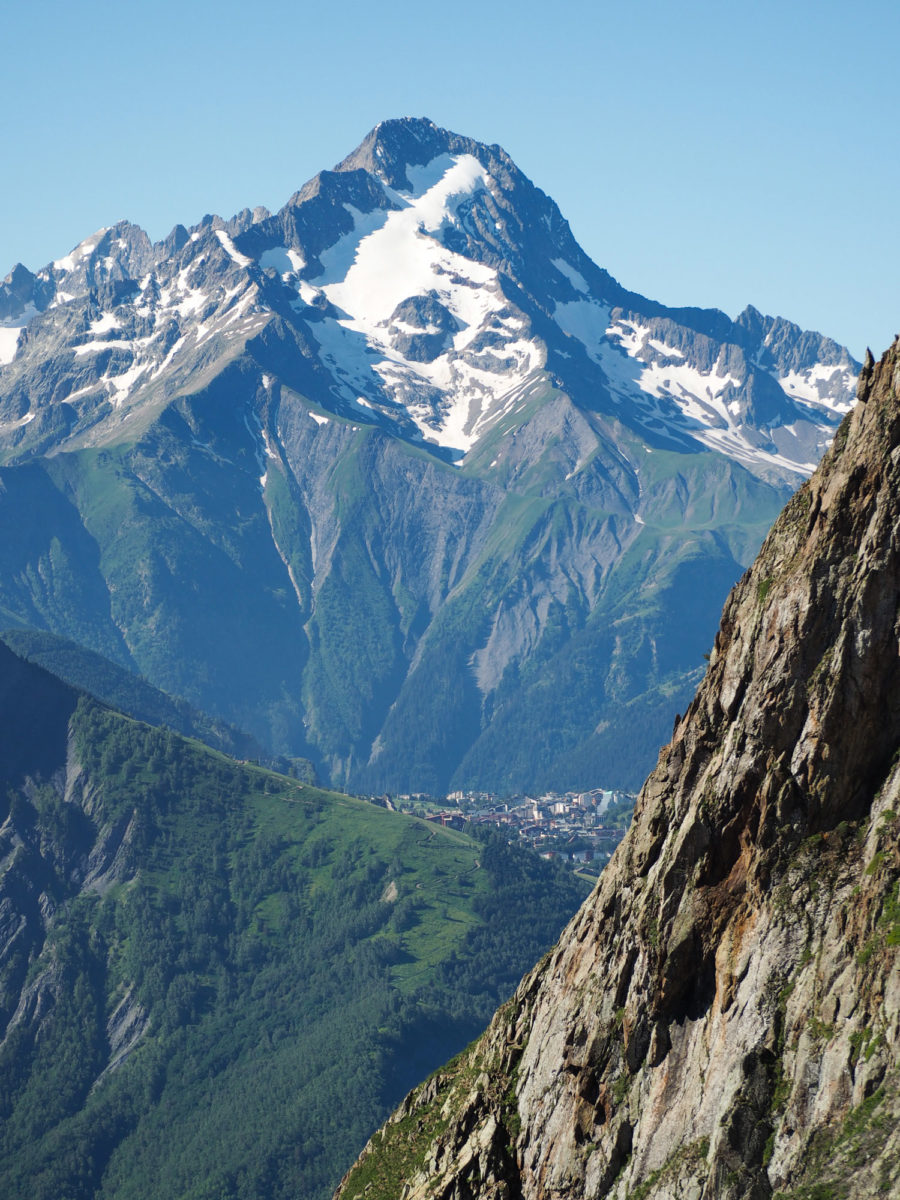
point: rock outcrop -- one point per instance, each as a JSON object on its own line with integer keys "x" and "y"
{"x": 722, "y": 1017}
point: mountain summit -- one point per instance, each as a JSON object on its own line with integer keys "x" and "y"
{"x": 440, "y": 288}
{"x": 397, "y": 478}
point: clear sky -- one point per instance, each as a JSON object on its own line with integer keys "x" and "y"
{"x": 703, "y": 152}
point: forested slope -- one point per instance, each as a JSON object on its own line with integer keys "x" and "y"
{"x": 216, "y": 980}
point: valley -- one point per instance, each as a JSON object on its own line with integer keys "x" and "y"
{"x": 581, "y": 829}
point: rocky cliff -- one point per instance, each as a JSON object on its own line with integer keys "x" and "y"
{"x": 722, "y": 1018}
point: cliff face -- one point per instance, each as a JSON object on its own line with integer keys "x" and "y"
{"x": 722, "y": 1018}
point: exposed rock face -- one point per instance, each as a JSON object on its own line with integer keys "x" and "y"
{"x": 722, "y": 1018}
{"x": 40, "y": 875}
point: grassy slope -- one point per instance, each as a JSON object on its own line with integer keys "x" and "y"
{"x": 289, "y": 1003}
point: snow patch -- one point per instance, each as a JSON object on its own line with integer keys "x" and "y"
{"x": 81, "y": 251}
{"x": 577, "y": 280}
{"x": 633, "y": 337}
{"x": 104, "y": 323}
{"x": 9, "y": 343}
{"x": 702, "y": 404}
{"x": 165, "y": 362}
{"x": 392, "y": 258}
{"x": 233, "y": 253}
{"x": 662, "y": 348}
{"x": 389, "y": 257}
{"x": 96, "y": 347}
{"x": 439, "y": 187}
{"x": 195, "y": 299}
{"x": 699, "y": 394}
{"x": 831, "y": 386}
{"x": 283, "y": 259}
{"x": 319, "y": 420}
{"x": 83, "y": 391}
{"x": 123, "y": 384}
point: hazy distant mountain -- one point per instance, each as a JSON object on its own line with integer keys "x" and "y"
{"x": 128, "y": 693}
{"x": 397, "y": 478}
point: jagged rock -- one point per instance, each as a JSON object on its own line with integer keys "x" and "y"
{"x": 722, "y": 1018}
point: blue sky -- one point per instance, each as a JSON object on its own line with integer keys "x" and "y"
{"x": 704, "y": 153}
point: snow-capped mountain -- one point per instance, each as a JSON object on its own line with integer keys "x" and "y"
{"x": 424, "y": 294}
{"x": 436, "y": 289}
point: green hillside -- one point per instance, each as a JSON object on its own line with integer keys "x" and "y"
{"x": 216, "y": 980}
{"x": 131, "y": 694}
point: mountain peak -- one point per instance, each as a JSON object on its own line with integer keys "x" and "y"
{"x": 401, "y": 142}
{"x": 420, "y": 220}
{"x": 456, "y": 322}
{"x": 393, "y": 145}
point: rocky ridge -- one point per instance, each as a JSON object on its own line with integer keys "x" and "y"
{"x": 722, "y": 1017}
{"x": 424, "y": 286}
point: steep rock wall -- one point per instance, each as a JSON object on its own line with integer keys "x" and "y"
{"x": 722, "y": 1018}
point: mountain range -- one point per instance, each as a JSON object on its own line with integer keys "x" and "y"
{"x": 397, "y": 479}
